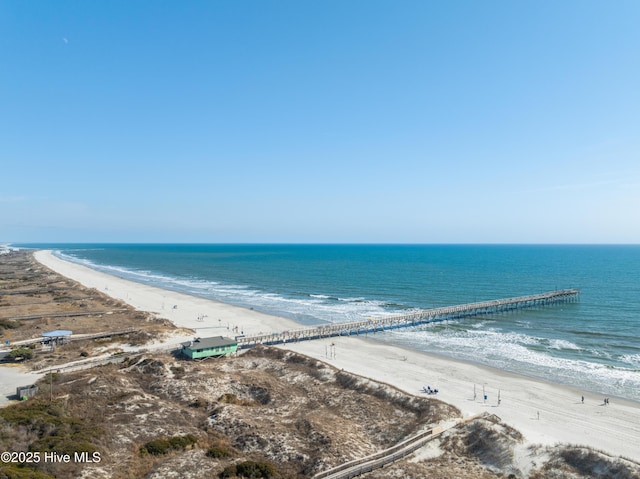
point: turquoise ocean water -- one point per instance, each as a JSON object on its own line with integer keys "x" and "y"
{"x": 593, "y": 344}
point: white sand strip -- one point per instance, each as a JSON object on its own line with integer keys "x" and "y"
{"x": 545, "y": 413}
{"x": 563, "y": 418}
{"x": 206, "y": 317}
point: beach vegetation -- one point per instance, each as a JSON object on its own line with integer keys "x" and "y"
{"x": 219, "y": 451}
{"x": 22, "y": 471}
{"x": 250, "y": 469}
{"x": 21, "y": 353}
{"x": 156, "y": 447}
{"x": 433, "y": 409}
{"x": 8, "y": 323}
{"x": 51, "y": 426}
{"x": 490, "y": 444}
{"x": 583, "y": 461}
{"x": 44, "y": 426}
{"x": 160, "y": 446}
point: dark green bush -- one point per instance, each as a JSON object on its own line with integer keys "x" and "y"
{"x": 182, "y": 442}
{"x": 218, "y": 452}
{"x": 20, "y": 471}
{"x": 158, "y": 447}
{"x": 250, "y": 469}
{"x": 25, "y": 353}
{"x": 229, "y": 471}
{"x": 53, "y": 429}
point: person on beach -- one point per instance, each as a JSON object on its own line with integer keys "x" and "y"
{"x": 582, "y": 399}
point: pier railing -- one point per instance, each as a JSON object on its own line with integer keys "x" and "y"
{"x": 413, "y": 318}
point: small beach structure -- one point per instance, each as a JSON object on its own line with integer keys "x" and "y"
{"x": 58, "y": 334}
{"x": 25, "y": 392}
{"x": 57, "y": 337}
{"x": 215, "y": 346}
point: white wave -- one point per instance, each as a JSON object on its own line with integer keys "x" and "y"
{"x": 6, "y": 249}
{"x": 563, "y": 344}
{"x": 513, "y": 352}
{"x": 600, "y": 353}
{"x": 632, "y": 359}
{"x": 481, "y": 324}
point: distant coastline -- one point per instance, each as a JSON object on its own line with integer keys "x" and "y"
{"x": 588, "y": 345}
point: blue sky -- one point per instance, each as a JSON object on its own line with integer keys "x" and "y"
{"x": 320, "y": 121}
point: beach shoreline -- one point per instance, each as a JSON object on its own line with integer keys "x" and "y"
{"x": 544, "y": 412}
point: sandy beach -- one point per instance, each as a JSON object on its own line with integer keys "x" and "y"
{"x": 544, "y": 413}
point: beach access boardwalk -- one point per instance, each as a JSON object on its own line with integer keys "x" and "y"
{"x": 413, "y": 318}
{"x": 375, "y": 461}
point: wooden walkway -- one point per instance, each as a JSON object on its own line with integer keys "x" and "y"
{"x": 76, "y": 337}
{"x": 414, "y": 318}
{"x": 408, "y": 446}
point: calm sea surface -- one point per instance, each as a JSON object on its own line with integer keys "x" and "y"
{"x": 593, "y": 344}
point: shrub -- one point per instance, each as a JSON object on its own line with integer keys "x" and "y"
{"x": 24, "y": 353}
{"x": 255, "y": 469}
{"x": 20, "y": 471}
{"x": 158, "y": 447}
{"x": 250, "y": 469}
{"x": 229, "y": 471}
{"x": 8, "y": 323}
{"x": 183, "y": 442}
{"x": 52, "y": 428}
{"x": 229, "y": 398}
{"x": 218, "y": 452}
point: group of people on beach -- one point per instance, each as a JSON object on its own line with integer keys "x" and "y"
{"x": 605, "y": 401}
{"x": 428, "y": 390}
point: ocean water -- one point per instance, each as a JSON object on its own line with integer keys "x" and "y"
{"x": 592, "y": 344}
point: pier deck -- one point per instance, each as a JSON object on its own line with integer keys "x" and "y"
{"x": 414, "y": 318}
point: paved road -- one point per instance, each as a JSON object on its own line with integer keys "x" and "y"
{"x": 12, "y": 376}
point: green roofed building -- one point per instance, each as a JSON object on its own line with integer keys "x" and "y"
{"x": 209, "y": 347}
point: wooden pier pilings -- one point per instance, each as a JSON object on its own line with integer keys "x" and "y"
{"x": 413, "y": 318}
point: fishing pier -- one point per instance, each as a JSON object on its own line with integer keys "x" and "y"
{"x": 413, "y": 318}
